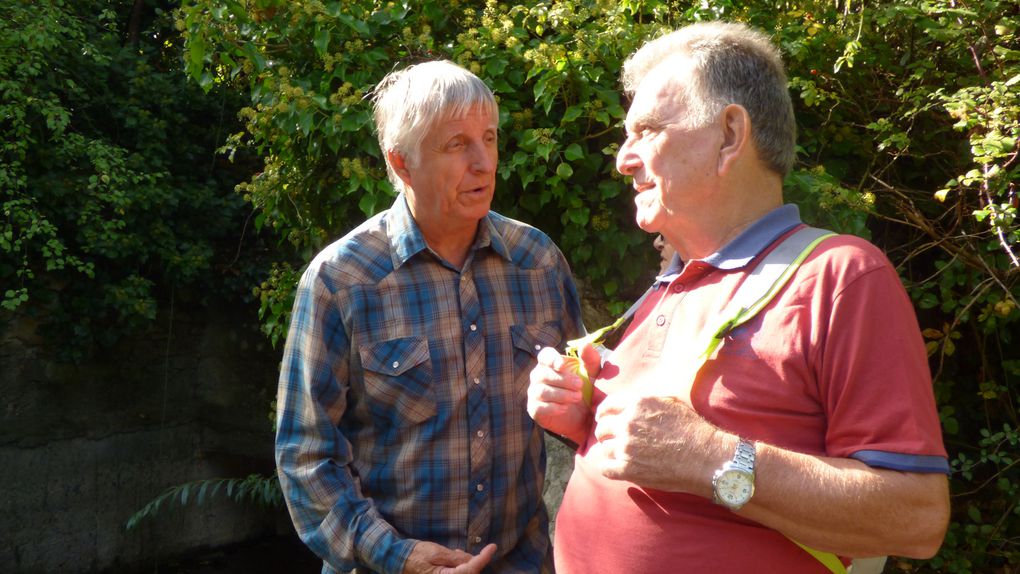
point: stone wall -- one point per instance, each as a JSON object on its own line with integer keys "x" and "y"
{"x": 83, "y": 447}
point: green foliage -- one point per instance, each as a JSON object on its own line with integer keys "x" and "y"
{"x": 909, "y": 126}
{"x": 914, "y": 104}
{"x": 110, "y": 188}
{"x": 254, "y": 489}
{"x": 276, "y": 297}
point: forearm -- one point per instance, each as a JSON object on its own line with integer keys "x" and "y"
{"x": 846, "y": 507}
{"x": 834, "y": 504}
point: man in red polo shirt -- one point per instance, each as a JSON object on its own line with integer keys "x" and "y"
{"x": 812, "y": 428}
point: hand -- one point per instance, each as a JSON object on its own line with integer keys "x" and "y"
{"x": 432, "y": 558}
{"x": 555, "y": 400}
{"x": 657, "y": 442}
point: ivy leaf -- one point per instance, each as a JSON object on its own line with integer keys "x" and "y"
{"x": 573, "y": 152}
{"x": 321, "y": 41}
{"x": 572, "y": 113}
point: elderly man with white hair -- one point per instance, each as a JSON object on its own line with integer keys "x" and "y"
{"x": 403, "y": 441}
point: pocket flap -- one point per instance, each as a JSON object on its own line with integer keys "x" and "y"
{"x": 533, "y": 338}
{"x": 394, "y": 357}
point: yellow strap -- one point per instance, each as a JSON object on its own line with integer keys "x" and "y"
{"x": 828, "y": 559}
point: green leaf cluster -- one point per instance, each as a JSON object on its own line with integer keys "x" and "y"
{"x": 111, "y": 192}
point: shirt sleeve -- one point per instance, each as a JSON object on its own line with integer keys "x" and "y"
{"x": 875, "y": 380}
{"x": 330, "y": 513}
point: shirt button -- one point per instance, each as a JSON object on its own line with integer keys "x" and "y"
{"x": 660, "y": 320}
{"x": 474, "y": 327}
{"x": 478, "y": 539}
{"x": 479, "y": 487}
{"x": 538, "y": 347}
{"x": 677, "y": 287}
{"x": 396, "y": 364}
{"x": 480, "y": 434}
{"x": 477, "y": 381}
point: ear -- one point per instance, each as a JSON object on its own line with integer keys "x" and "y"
{"x": 736, "y": 136}
{"x": 399, "y": 165}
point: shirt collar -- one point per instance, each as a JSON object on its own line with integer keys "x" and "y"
{"x": 406, "y": 238}
{"x": 746, "y": 246}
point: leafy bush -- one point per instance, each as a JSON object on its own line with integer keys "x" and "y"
{"x": 111, "y": 191}
{"x": 909, "y": 131}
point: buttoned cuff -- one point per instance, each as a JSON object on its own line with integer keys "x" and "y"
{"x": 383, "y": 550}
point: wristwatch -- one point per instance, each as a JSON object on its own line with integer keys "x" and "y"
{"x": 733, "y": 484}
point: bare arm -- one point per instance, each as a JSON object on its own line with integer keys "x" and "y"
{"x": 845, "y": 506}
{"x": 833, "y": 504}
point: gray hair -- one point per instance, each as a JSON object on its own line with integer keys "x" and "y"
{"x": 412, "y": 101}
{"x": 730, "y": 63}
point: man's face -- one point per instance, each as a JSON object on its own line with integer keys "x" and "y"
{"x": 673, "y": 165}
{"x": 452, "y": 183}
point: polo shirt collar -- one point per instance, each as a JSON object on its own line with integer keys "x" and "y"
{"x": 406, "y": 239}
{"x": 746, "y": 246}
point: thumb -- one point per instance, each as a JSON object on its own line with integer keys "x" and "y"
{"x": 592, "y": 360}
{"x": 478, "y": 562}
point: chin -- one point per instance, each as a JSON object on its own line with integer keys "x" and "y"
{"x": 647, "y": 225}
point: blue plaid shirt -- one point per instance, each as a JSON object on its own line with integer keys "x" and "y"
{"x": 401, "y": 408}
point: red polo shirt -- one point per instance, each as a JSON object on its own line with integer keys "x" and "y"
{"x": 835, "y": 366}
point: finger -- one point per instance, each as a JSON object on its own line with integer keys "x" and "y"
{"x": 604, "y": 429}
{"x": 557, "y": 390}
{"x": 475, "y": 565}
{"x": 612, "y": 405}
{"x": 543, "y": 377}
{"x": 612, "y": 468}
{"x": 551, "y": 358}
{"x": 592, "y": 359}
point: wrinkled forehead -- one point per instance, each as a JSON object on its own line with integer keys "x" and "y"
{"x": 658, "y": 98}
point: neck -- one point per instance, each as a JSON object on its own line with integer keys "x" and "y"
{"x": 704, "y": 232}
{"x": 453, "y": 245}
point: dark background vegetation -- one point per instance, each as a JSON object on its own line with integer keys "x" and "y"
{"x": 156, "y": 156}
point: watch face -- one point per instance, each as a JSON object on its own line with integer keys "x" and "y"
{"x": 734, "y": 487}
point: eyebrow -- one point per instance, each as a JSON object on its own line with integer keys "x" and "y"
{"x": 648, "y": 119}
{"x": 461, "y": 134}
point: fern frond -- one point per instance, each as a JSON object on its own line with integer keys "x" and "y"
{"x": 263, "y": 491}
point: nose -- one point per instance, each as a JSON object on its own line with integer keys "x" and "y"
{"x": 483, "y": 158}
{"x": 627, "y": 161}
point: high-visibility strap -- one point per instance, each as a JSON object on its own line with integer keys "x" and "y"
{"x": 766, "y": 280}
{"x": 828, "y": 559}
